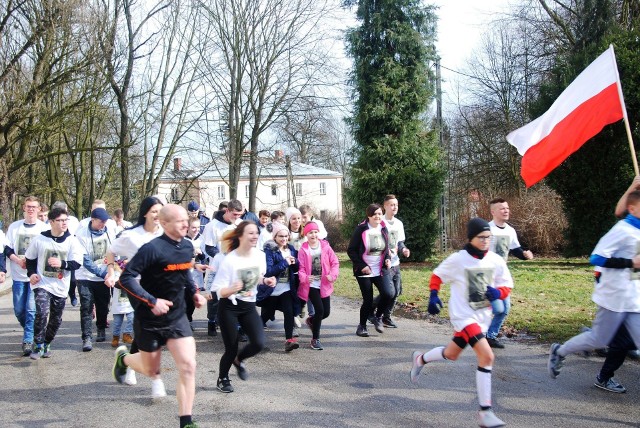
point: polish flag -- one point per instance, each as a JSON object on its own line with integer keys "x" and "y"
{"x": 593, "y": 100}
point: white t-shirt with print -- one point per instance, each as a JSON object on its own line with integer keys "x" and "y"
{"x": 18, "y": 237}
{"x": 503, "y": 239}
{"x": 374, "y": 247}
{"x": 283, "y": 285}
{"x": 96, "y": 247}
{"x": 316, "y": 265}
{"x": 54, "y": 280}
{"x": 468, "y": 278}
{"x": 396, "y": 234}
{"x": 247, "y": 269}
{"x": 130, "y": 241}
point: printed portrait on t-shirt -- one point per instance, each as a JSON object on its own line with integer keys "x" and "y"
{"x": 49, "y": 270}
{"x": 477, "y": 280}
{"x": 376, "y": 244}
{"x": 284, "y": 276}
{"x": 249, "y": 277}
{"x": 501, "y": 245}
{"x": 23, "y": 241}
{"x": 393, "y": 241}
{"x": 100, "y": 248}
{"x": 316, "y": 267}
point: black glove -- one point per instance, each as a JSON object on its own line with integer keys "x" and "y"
{"x": 492, "y": 293}
{"x": 434, "y": 302}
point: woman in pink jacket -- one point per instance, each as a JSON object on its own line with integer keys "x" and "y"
{"x": 319, "y": 269}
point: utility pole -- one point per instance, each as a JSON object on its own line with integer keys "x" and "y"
{"x": 442, "y": 212}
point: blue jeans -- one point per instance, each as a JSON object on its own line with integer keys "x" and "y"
{"x": 500, "y": 311}
{"x": 24, "y": 307}
{"x": 117, "y": 323}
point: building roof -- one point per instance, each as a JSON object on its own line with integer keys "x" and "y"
{"x": 267, "y": 168}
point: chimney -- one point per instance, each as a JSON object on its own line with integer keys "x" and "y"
{"x": 279, "y": 154}
{"x": 177, "y": 164}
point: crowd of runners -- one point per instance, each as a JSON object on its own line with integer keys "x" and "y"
{"x": 248, "y": 269}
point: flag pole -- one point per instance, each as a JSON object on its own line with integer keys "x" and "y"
{"x": 624, "y": 116}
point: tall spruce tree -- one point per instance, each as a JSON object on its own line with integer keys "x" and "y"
{"x": 396, "y": 152}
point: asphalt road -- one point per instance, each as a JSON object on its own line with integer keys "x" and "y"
{"x": 353, "y": 382}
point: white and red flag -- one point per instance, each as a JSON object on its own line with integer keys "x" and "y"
{"x": 592, "y": 101}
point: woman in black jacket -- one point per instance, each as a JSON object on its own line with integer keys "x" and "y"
{"x": 369, "y": 252}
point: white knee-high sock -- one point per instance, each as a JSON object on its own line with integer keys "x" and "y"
{"x": 483, "y": 385}
{"x": 436, "y": 354}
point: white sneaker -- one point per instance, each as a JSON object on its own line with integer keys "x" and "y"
{"x": 157, "y": 388}
{"x": 296, "y": 321}
{"x": 488, "y": 419}
{"x": 416, "y": 367}
{"x": 130, "y": 377}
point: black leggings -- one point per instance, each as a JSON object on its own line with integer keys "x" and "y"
{"x": 322, "y": 305}
{"x": 229, "y": 316}
{"x": 284, "y": 303}
{"x": 386, "y": 290}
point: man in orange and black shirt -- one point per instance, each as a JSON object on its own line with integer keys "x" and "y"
{"x": 163, "y": 265}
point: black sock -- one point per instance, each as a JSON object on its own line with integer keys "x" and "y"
{"x": 485, "y": 407}
{"x": 184, "y": 420}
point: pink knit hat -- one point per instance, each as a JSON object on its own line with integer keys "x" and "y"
{"x": 310, "y": 226}
{"x": 277, "y": 227}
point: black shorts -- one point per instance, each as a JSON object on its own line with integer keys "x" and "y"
{"x": 150, "y": 338}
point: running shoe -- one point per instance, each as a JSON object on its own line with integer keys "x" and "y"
{"x": 224, "y": 385}
{"x": 555, "y": 361}
{"x": 119, "y": 370}
{"x": 377, "y": 323}
{"x": 290, "y": 345}
{"x": 362, "y": 331}
{"x": 416, "y": 367}
{"x": 87, "y": 346}
{"x": 388, "y": 322}
{"x": 610, "y": 385}
{"x": 27, "y": 347}
{"x": 241, "y": 369}
{"x": 315, "y": 344}
{"x": 488, "y": 419}
{"x": 38, "y": 350}
{"x": 157, "y": 388}
{"x": 130, "y": 377}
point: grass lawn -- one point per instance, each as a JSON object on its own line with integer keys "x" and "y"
{"x": 550, "y": 301}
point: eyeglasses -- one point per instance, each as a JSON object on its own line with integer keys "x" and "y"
{"x": 31, "y": 207}
{"x": 484, "y": 238}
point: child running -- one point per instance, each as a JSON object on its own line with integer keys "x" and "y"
{"x": 477, "y": 277}
{"x": 318, "y": 270}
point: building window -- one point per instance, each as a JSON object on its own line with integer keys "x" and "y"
{"x": 274, "y": 190}
{"x": 323, "y": 189}
{"x": 174, "y": 195}
{"x": 298, "y": 189}
{"x": 246, "y": 192}
{"x": 221, "y": 193}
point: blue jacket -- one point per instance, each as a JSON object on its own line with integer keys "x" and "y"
{"x": 276, "y": 265}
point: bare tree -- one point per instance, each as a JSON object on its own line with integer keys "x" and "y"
{"x": 263, "y": 55}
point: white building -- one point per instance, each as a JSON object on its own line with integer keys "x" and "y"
{"x": 318, "y": 187}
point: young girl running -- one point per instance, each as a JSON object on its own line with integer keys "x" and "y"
{"x": 236, "y": 282}
{"x": 477, "y": 277}
{"x": 319, "y": 269}
{"x": 282, "y": 264}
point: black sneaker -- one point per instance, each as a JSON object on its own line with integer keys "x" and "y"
{"x": 371, "y": 318}
{"x": 241, "y": 369}
{"x": 27, "y": 347}
{"x": 315, "y": 344}
{"x": 242, "y": 337}
{"x": 495, "y": 343}
{"x": 101, "y": 336}
{"x": 224, "y": 385}
{"x": 388, "y": 322}
{"x": 362, "y": 331}
{"x": 377, "y": 323}
{"x": 119, "y": 368}
{"x": 290, "y": 345}
{"x": 87, "y": 346}
{"x": 212, "y": 329}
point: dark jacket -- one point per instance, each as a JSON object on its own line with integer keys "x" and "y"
{"x": 356, "y": 248}
{"x": 276, "y": 266}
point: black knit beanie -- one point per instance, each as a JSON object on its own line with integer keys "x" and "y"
{"x": 476, "y": 226}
